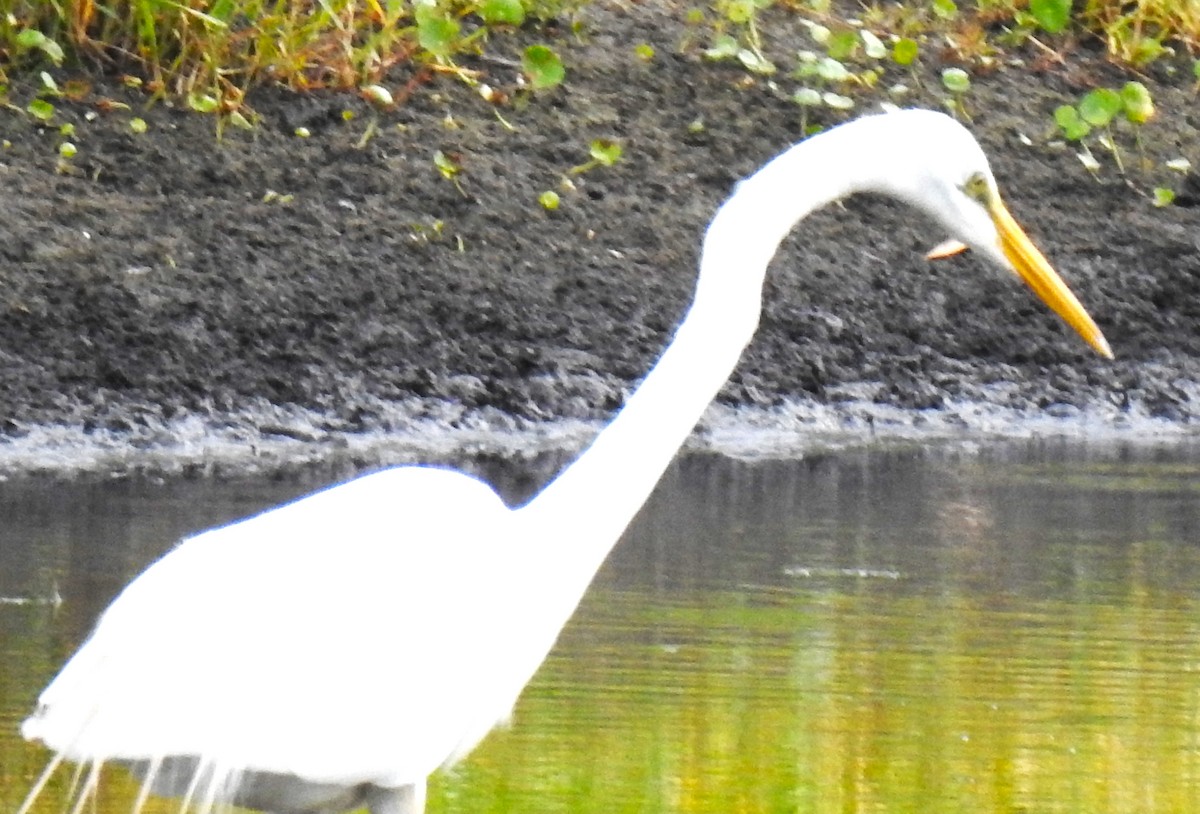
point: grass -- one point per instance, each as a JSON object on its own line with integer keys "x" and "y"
{"x": 211, "y": 52}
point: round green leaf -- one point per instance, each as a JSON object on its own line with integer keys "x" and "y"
{"x": 724, "y": 46}
{"x": 437, "y": 35}
{"x": 32, "y": 38}
{"x": 1051, "y": 15}
{"x": 807, "y": 97}
{"x": 956, "y": 80}
{"x": 1073, "y": 127}
{"x": 755, "y": 62}
{"x": 1099, "y": 106}
{"x": 1136, "y": 101}
{"x": 873, "y": 46}
{"x": 946, "y": 9}
{"x": 542, "y": 66}
{"x": 502, "y": 12}
{"x": 41, "y": 109}
{"x": 837, "y": 101}
{"x": 843, "y": 44}
{"x": 202, "y": 102}
{"x": 605, "y": 151}
{"x": 831, "y": 70}
{"x": 904, "y": 51}
{"x": 739, "y": 11}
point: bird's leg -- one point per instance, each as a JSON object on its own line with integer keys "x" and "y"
{"x": 408, "y": 799}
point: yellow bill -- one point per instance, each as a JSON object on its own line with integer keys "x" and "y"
{"x": 1045, "y": 282}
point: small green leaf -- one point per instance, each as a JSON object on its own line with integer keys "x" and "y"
{"x": 238, "y": 120}
{"x": 549, "y": 200}
{"x": 1099, "y": 106}
{"x": 41, "y": 109}
{"x": 137, "y": 125}
{"x": 904, "y": 51}
{"x": 1163, "y": 196}
{"x": 1051, "y": 15}
{"x": 872, "y": 45}
{"x": 1136, "y": 101}
{"x": 724, "y": 46}
{"x": 837, "y": 101}
{"x": 755, "y": 62}
{"x": 437, "y": 35}
{"x": 819, "y": 33}
{"x": 956, "y": 80}
{"x": 543, "y": 67}
{"x": 739, "y": 11}
{"x": 843, "y": 44}
{"x": 605, "y": 151}
{"x": 1148, "y": 49}
{"x": 446, "y": 165}
{"x": 644, "y": 51}
{"x": 32, "y": 38}
{"x": 1073, "y": 127}
{"x": 831, "y": 70}
{"x": 502, "y": 12}
{"x": 807, "y": 97}
{"x": 67, "y": 150}
{"x": 202, "y": 102}
{"x": 946, "y": 9}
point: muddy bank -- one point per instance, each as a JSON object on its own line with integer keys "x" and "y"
{"x": 169, "y": 286}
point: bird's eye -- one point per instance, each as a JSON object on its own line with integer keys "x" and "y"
{"x": 977, "y": 188}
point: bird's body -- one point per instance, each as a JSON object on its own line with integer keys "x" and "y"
{"x": 335, "y": 651}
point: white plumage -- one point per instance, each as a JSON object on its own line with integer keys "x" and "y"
{"x": 334, "y": 651}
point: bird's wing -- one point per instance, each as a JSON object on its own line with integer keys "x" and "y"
{"x": 332, "y": 638}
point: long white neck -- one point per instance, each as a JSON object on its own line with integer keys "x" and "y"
{"x": 585, "y": 510}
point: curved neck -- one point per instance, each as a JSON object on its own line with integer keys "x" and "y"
{"x": 587, "y": 507}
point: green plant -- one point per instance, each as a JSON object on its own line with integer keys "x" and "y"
{"x": 1098, "y": 110}
{"x": 449, "y": 166}
{"x": 603, "y": 152}
{"x": 746, "y": 46}
{"x": 957, "y": 82}
{"x": 542, "y": 67}
{"x": 1052, "y": 16}
{"x": 211, "y": 53}
{"x": 854, "y": 58}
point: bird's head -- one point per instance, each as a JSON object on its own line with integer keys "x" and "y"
{"x": 944, "y": 172}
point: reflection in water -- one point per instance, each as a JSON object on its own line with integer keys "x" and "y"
{"x": 1010, "y": 630}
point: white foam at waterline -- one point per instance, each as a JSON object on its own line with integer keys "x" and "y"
{"x": 271, "y": 438}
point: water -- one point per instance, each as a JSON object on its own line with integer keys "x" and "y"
{"x": 1001, "y": 630}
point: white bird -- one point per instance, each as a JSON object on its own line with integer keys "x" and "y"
{"x": 332, "y": 652}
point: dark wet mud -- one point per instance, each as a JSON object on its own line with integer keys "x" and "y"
{"x": 167, "y": 279}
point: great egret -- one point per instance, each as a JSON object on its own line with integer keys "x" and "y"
{"x": 333, "y": 652}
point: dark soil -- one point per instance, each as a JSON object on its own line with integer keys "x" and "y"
{"x": 158, "y": 281}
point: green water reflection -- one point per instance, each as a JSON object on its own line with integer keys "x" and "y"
{"x": 1013, "y": 630}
